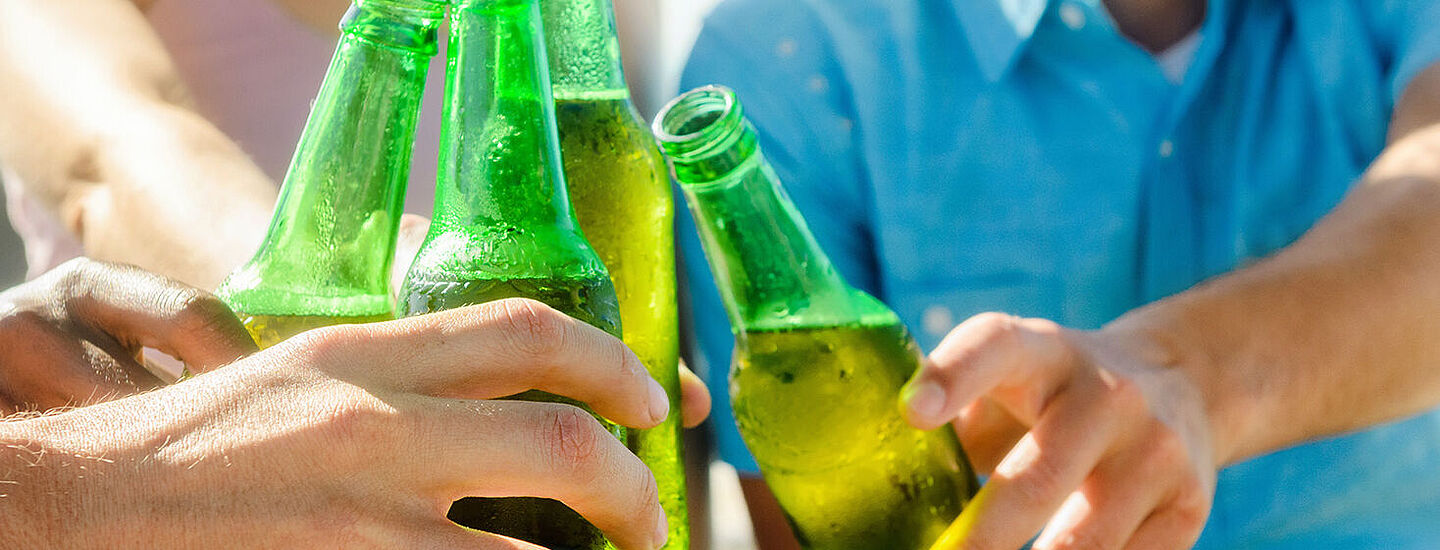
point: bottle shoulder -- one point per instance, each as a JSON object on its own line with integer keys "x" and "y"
{"x": 479, "y": 253}
{"x": 256, "y": 291}
{"x": 825, "y": 308}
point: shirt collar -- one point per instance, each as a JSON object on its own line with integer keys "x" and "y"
{"x": 998, "y": 29}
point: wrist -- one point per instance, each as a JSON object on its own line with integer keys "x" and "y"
{"x": 1173, "y": 337}
{"x": 32, "y": 493}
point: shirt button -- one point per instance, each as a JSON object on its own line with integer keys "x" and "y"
{"x": 785, "y": 48}
{"x": 937, "y": 320}
{"x": 1167, "y": 148}
{"x": 1073, "y": 16}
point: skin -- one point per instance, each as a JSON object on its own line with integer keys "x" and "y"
{"x": 1112, "y": 438}
{"x": 318, "y": 428}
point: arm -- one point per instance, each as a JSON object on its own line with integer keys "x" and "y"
{"x": 96, "y": 122}
{"x": 321, "y": 15}
{"x": 1361, "y": 288}
{"x": 1112, "y": 438}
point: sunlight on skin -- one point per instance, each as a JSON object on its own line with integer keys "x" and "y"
{"x": 320, "y": 15}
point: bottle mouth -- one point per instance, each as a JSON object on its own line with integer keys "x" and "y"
{"x": 699, "y": 124}
{"x": 405, "y": 24}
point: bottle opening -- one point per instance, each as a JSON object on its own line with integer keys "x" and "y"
{"x": 700, "y": 123}
{"x": 409, "y": 25}
{"x": 695, "y": 111}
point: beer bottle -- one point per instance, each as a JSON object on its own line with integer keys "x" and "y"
{"x": 818, "y": 364}
{"x": 326, "y": 258}
{"x": 621, "y": 194}
{"x": 503, "y": 226}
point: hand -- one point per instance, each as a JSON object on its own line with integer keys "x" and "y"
{"x": 1091, "y": 435}
{"x": 352, "y": 436}
{"x": 694, "y": 398}
{"x": 74, "y": 336}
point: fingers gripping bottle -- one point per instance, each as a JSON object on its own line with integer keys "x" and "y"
{"x": 818, "y": 364}
{"x": 326, "y": 258}
{"x": 622, "y": 198}
{"x": 503, "y": 226}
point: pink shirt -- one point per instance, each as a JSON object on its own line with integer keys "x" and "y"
{"x": 253, "y": 72}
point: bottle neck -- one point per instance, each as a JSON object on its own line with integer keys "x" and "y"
{"x": 769, "y": 269}
{"x": 335, "y": 222}
{"x": 583, "y": 49}
{"x": 500, "y": 163}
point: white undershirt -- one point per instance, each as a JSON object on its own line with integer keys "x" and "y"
{"x": 1175, "y": 61}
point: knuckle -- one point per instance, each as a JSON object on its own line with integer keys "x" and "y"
{"x": 199, "y": 314}
{"x": 1191, "y": 515}
{"x": 1085, "y": 539}
{"x": 357, "y": 417}
{"x": 1040, "y": 484}
{"x": 573, "y": 440}
{"x": 629, "y": 363}
{"x": 73, "y": 281}
{"x": 347, "y": 525}
{"x": 1122, "y": 396}
{"x": 325, "y": 346}
{"x": 531, "y": 327}
{"x": 78, "y": 269}
{"x": 1039, "y": 326}
{"x": 196, "y": 307}
{"x": 996, "y": 328}
{"x": 1192, "y": 501}
{"x": 1166, "y": 447}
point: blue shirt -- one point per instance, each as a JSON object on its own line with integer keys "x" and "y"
{"x": 961, "y": 156}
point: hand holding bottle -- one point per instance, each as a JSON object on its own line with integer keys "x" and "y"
{"x": 1094, "y": 433}
{"x": 350, "y": 436}
{"x": 73, "y": 337}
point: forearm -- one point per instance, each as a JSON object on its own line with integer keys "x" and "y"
{"x": 1334, "y": 333}
{"x": 320, "y": 15}
{"x": 96, "y": 123}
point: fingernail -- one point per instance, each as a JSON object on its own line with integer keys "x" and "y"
{"x": 659, "y": 402}
{"x": 662, "y": 530}
{"x": 926, "y": 402}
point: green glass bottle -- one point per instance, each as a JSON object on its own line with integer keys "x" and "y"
{"x": 326, "y": 259}
{"x": 621, "y": 194}
{"x": 818, "y": 364}
{"x": 503, "y": 226}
